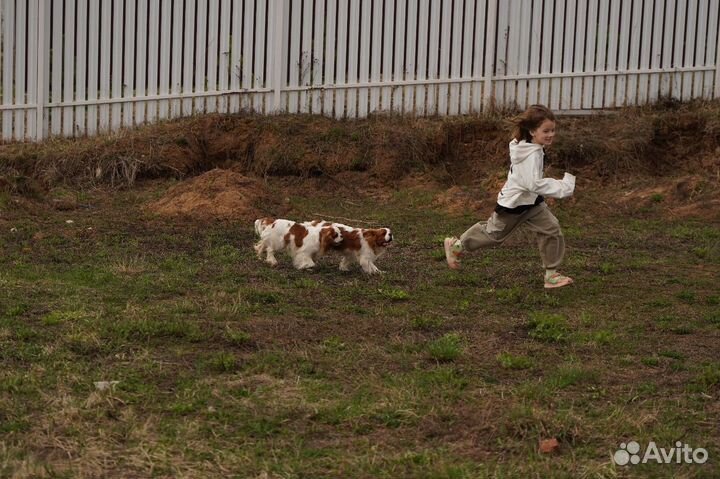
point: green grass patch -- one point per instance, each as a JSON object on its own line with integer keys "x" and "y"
{"x": 244, "y": 370}
{"x": 548, "y": 327}
{"x": 510, "y": 361}
{"x": 446, "y": 348}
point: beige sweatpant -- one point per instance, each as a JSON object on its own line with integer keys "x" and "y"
{"x": 538, "y": 219}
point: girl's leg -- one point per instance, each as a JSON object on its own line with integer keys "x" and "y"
{"x": 551, "y": 243}
{"x": 490, "y": 233}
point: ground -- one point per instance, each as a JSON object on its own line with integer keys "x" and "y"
{"x": 227, "y": 367}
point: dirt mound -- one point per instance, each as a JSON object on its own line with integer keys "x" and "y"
{"x": 685, "y": 197}
{"x": 218, "y": 194}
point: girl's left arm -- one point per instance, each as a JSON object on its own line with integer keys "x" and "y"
{"x": 548, "y": 187}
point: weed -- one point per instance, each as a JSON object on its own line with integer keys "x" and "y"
{"x": 222, "y": 362}
{"x": 306, "y": 283}
{"x": 682, "y": 330}
{"x": 651, "y": 361}
{"x": 607, "y": 268}
{"x": 427, "y": 323}
{"x": 672, "y": 355}
{"x": 602, "y": 336}
{"x": 510, "y": 361}
{"x": 686, "y": 296}
{"x": 262, "y": 297}
{"x": 509, "y": 295}
{"x": 17, "y": 310}
{"x": 713, "y": 318}
{"x": 446, "y": 348}
{"x": 130, "y": 266}
{"x": 58, "y": 317}
{"x": 548, "y": 327}
{"x": 394, "y": 294}
{"x": 707, "y": 380}
{"x": 569, "y": 375}
{"x": 146, "y": 328}
{"x": 84, "y": 344}
{"x": 333, "y": 345}
{"x": 237, "y": 338}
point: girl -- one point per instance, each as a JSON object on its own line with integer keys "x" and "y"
{"x": 521, "y": 199}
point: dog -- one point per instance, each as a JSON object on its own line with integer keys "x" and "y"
{"x": 304, "y": 242}
{"x": 362, "y": 245}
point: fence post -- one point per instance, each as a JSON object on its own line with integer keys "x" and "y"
{"x": 488, "y": 96}
{"x": 277, "y": 52}
{"x": 40, "y": 72}
{"x": 717, "y": 68}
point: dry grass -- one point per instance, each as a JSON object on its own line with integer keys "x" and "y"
{"x": 650, "y": 140}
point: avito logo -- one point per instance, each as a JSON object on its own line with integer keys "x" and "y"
{"x": 629, "y": 453}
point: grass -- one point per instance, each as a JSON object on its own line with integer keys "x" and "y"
{"x": 227, "y": 367}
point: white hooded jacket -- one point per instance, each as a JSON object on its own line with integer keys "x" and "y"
{"x": 525, "y": 179}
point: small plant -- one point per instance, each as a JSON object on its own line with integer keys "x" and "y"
{"x": 84, "y": 344}
{"x": 509, "y": 295}
{"x": 130, "y": 265}
{"x": 16, "y": 310}
{"x": 713, "y": 318}
{"x": 682, "y": 330}
{"x": 425, "y": 323}
{"x": 510, "y": 361}
{"x": 569, "y": 375}
{"x": 652, "y": 361}
{"x": 58, "y": 317}
{"x": 672, "y": 355}
{"x": 222, "y": 362}
{"x": 446, "y": 348}
{"x": 333, "y": 345}
{"x": 607, "y": 268}
{"x": 262, "y": 297}
{"x": 306, "y": 283}
{"x": 657, "y": 198}
{"x": 602, "y": 336}
{"x": 438, "y": 255}
{"x": 548, "y": 327}
{"x": 707, "y": 380}
{"x": 686, "y": 296}
{"x": 238, "y": 338}
{"x": 394, "y": 294}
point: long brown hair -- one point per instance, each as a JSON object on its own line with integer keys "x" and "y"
{"x": 530, "y": 120}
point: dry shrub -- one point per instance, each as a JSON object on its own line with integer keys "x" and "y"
{"x": 650, "y": 140}
{"x": 605, "y": 143}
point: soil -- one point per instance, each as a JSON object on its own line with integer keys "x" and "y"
{"x": 217, "y": 194}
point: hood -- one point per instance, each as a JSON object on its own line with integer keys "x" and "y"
{"x": 521, "y": 150}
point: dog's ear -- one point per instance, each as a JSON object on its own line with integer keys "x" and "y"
{"x": 326, "y": 237}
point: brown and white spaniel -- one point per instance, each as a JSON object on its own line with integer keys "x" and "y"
{"x": 305, "y": 243}
{"x": 363, "y": 245}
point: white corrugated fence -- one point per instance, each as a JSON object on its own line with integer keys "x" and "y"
{"x": 78, "y": 67}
